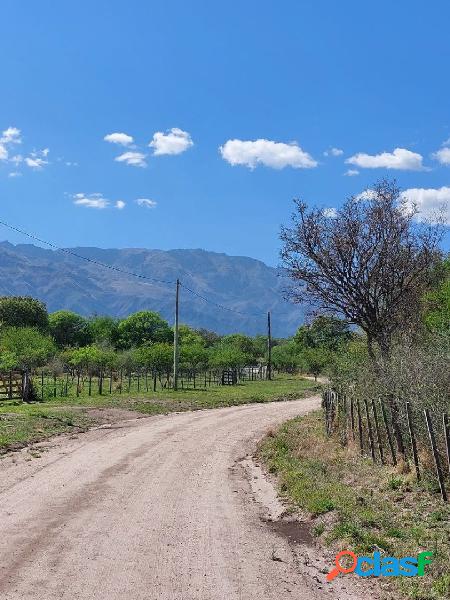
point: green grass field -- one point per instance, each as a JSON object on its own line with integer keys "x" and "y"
{"x": 360, "y": 506}
{"x": 21, "y": 424}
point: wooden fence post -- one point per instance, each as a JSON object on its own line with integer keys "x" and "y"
{"x": 447, "y": 438}
{"x": 360, "y": 430}
{"x": 413, "y": 440}
{"x": 388, "y": 433}
{"x": 352, "y": 416}
{"x": 437, "y": 461}
{"x": 369, "y": 430}
{"x": 377, "y": 431}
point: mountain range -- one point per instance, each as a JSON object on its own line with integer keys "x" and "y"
{"x": 247, "y": 287}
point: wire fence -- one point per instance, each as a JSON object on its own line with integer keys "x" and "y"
{"x": 73, "y": 384}
{"x": 390, "y": 432}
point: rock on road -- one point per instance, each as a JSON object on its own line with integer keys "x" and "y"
{"x": 152, "y": 509}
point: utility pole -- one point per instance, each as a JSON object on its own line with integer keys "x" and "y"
{"x": 269, "y": 348}
{"x": 175, "y": 339}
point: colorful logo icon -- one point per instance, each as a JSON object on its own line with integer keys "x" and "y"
{"x": 376, "y": 566}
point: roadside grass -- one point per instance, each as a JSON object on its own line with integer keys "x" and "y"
{"x": 21, "y": 424}
{"x": 360, "y": 506}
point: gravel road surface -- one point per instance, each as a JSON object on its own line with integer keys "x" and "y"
{"x": 157, "y": 508}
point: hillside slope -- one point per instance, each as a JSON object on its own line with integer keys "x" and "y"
{"x": 63, "y": 281}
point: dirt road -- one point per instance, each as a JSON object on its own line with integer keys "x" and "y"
{"x": 158, "y": 508}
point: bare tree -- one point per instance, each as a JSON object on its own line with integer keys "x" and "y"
{"x": 370, "y": 262}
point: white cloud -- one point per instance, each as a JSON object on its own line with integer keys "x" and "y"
{"x": 146, "y": 202}
{"x": 11, "y": 136}
{"x": 351, "y": 172}
{"x": 174, "y": 141}
{"x": 276, "y": 155}
{"x": 91, "y": 200}
{"x": 330, "y": 213}
{"x": 34, "y": 162}
{"x": 96, "y": 200}
{"x": 333, "y": 152}
{"x": 400, "y": 158}
{"x": 123, "y": 139}
{"x": 135, "y": 159}
{"x": 430, "y": 203}
{"x": 366, "y": 195}
{"x": 37, "y": 160}
{"x": 443, "y": 156}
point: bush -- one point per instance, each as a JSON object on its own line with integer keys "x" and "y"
{"x": 25, "y": 348}
{"x": 23, "y": 311}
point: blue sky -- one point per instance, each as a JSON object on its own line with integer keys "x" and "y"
{"x": 241, "y": 102}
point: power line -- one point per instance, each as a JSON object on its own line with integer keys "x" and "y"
{"x": 227, "y": 308}
{"x": 85, "y": 258}
{"x": 130, "y": 273}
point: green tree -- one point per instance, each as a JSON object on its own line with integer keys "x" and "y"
{"x": 23, "y": 311}
{"x": 285, "y": 357}
{"x": 243, "y": 344}
{"x": 260, "y": 346}
{"x": 69, "y": 329}
{"x": 188, "y": 336}
{"x": 25, "y": 348}
{"x": 437, "y": 303}
{"x": 228, "y": 357}
{"x": 194, "y": 357}
{"x": 104, "y": 330}
{"x": 324, "y": 332}
{"x": 142, "y": 328}
{"x": 163, "y": 357}
{"x": 8, "y": 360}
{"x": 91, "y": 358}
{"x": 156, "y": 357}
{"x": 315, "y": 360}
{"x": 210, "y": 338}
{"x": 128, "y": 360}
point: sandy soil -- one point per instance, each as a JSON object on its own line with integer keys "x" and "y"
{"x": 168, "y": 507}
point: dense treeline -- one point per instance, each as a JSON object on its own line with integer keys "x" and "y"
{"x": 63, "y": 341}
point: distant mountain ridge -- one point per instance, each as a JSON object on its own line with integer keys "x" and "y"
{"x": 240, "y": 283}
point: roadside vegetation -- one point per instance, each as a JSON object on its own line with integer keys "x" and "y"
{"x": 356, "y": 505}
{"x": 377, "y": 265}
